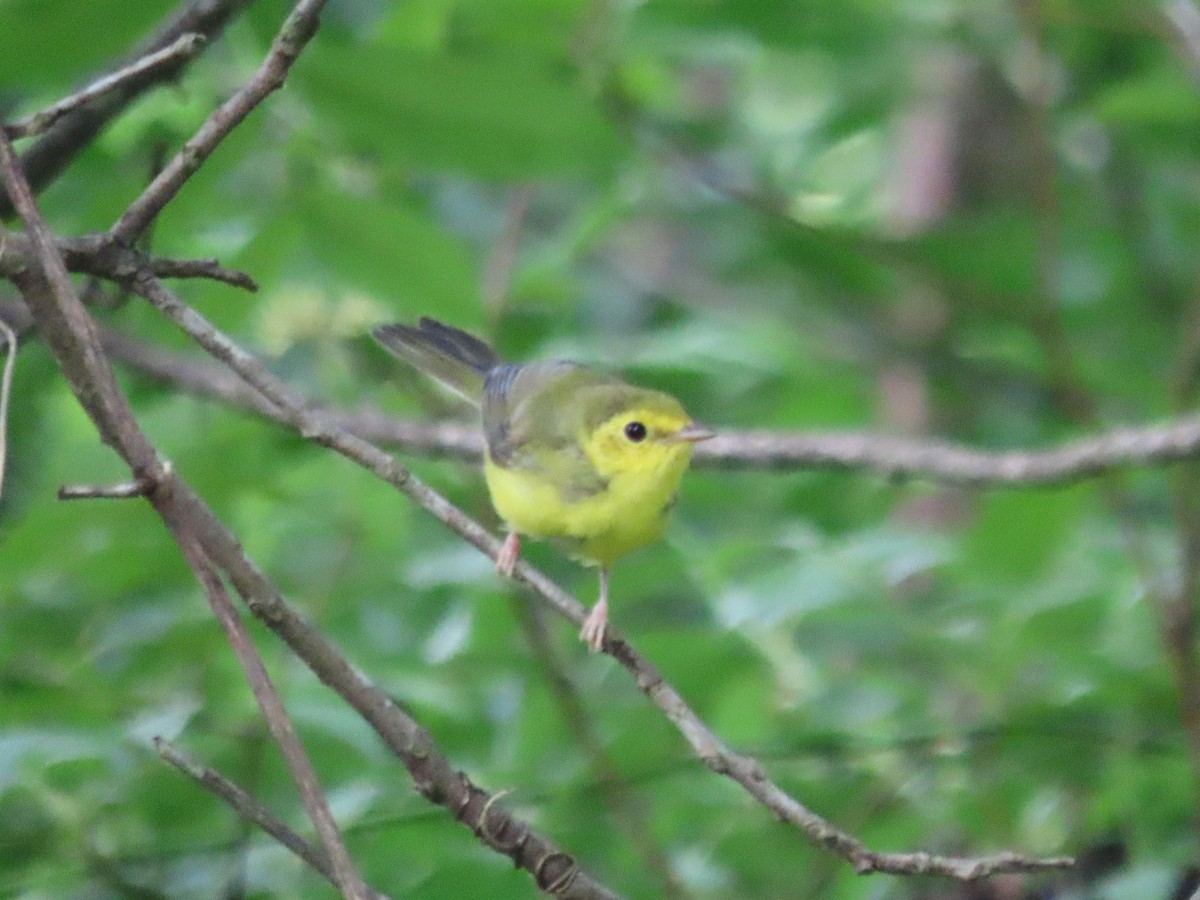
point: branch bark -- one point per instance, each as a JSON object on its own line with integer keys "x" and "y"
{"x": 72, "y": 336}
{"x": 99, "y": 255}
{"x": 625, "y": 812}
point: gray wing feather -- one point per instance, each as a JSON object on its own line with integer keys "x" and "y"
{"x": 520, "y": 402}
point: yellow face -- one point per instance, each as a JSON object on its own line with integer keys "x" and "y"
{"x": 640, "y": 441}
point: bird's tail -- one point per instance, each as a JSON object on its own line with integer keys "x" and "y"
{"x": 456, "y": 359}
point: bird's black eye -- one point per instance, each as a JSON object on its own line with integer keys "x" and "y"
{"x": 635, "y": 431}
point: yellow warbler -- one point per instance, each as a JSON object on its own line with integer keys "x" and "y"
{"x": 572, "y": 454}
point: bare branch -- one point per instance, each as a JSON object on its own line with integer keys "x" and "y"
{"x": 345, "y": 876}
{"x": 315, "y": 426}
{"x": 184, "y": 48}
{"x": 1167, "y": 442}
{"x": 47, "y": 158}
{"x": 101, "y": 256}
{"x": 200, "y": 268}
{"x": 251, "y": 810}
{"x": 297, "y": 30}
{"x": 901, "y": 458}
{"x": 10, "y": 359}
{"x": 73, "y": 338}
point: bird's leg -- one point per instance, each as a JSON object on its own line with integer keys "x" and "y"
{"x": 596, "y": 623}
{"x": 510, "y": 552}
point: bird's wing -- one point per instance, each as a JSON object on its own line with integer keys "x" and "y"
{"x": 533, "y": 418}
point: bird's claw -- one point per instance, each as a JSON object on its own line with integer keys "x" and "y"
{"x": 510, "y": 552}
{"x": 594, "y": 628}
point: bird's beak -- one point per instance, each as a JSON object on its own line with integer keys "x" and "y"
{"x": 691, "y": 433}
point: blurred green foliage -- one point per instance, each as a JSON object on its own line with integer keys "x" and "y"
{"x": 716, "y": 206}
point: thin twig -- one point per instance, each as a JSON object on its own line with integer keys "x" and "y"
{"x": 126, "y": 490}
{"x": 433, "y": 775}
{"x": 345, "y": 876}
{"x": 1174, "y": 606}
{"x": 72, "y": 336}
{"x": 10, "y": 359}
{"x": 297, "y": 30}
{"x": 705, "y": 744}
{"x": 900, "y": 458}
{"x": 67, "y": 327}
{"x": 52, "y": 152}
{"x": 249, "y": 809}
{"x": 200, "y": 268}
{"x": 184, "y": 48}
{"x": 99, "y": 255}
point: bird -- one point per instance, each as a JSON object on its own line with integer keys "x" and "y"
{"x": 572, "y": 454}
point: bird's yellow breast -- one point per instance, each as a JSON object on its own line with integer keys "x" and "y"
{"x": 625, "y": 515}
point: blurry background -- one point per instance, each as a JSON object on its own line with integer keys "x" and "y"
{"x": 970, "y": 220}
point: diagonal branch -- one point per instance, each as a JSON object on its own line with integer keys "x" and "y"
{"x": 1182, "y": 19}
{"x": 10, "y": 359}
{"x": 251, "y": 810}
{"x": 345, "y": 876}
{"x": 183, "y": 49}
{"x": 314, "y": 425}
{"x": 296, "y": 32}
{"x": 72, "y": 337}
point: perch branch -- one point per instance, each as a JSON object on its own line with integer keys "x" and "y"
{"x": 1171, "y": 441}
{"x": 314, "y": 425}
{"x": 298, "y": 28}
{"x": 1183, "y": 21}
{"x": 184, "y": 48}
{"x": 72, "y": 337}
{"x": 251, "y": 810}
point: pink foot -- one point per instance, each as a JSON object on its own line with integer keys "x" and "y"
{"x": 594, "y": 627}
{"x": 596, "y": 624}
{"x": 509, "y": 553}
